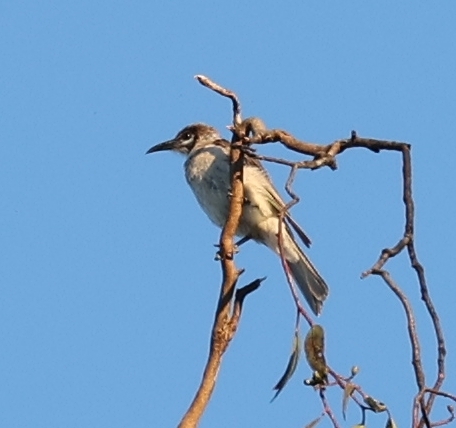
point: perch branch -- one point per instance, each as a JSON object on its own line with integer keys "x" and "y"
{"x": 228, "y": 312}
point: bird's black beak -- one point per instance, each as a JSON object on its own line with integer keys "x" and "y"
{"x": 167, "y": 145}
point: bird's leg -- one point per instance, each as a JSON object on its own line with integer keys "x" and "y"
{"x": 237, "y": 244}
{"x": 242, "y": 241}
{"x": 246, "y": 201}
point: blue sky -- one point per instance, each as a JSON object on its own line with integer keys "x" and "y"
{"x": 108, "y": 286}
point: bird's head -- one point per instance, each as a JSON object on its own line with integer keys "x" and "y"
{"x": 197, "y": 134}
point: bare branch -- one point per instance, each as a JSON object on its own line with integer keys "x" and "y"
{"x": 325, "y": 156}
{"x": 386, "y": 254}
{"x": 411, "y": 326}
{"x": 327, "y": 408}
{"x": 205, "y": 81}
{"x": 227, "y": 316}
{"x": 446, "y": 421}
{"x": 288, "y": 275}
{"x": 441, "y": 393}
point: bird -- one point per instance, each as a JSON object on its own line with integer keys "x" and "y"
{"x": 207, "y": 171}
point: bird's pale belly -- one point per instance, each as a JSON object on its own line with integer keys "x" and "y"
{"x": 215, "y": 203}
{"x": 210, "y": 182}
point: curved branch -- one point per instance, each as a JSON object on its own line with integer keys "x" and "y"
{"x": 228, "y": 311}
{"x": 325, "y": 155}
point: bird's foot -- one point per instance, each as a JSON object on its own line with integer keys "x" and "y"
{"x": 230, "y": 195}
{"x": 218, "y": 255}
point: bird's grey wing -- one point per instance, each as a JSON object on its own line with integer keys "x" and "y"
{"x": 277, "y": 202}
{"x": 298, "y": 229}
{"x": 278, "y": 205}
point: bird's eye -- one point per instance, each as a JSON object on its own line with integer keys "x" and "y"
{"x": 187, "y": 136}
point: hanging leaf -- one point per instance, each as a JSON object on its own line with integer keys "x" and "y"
{"x": 390, "y": 423}
{"x": 314, "y": 423}
{"x": 375, "y": 405}
{"x": 291, "y": 367}
{"x": 348, "y": 391}
{"x": 314, "y": 347}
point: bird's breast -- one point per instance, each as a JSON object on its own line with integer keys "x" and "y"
{"x": 207, "y": 173}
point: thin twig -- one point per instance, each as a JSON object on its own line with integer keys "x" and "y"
{"x": 289, "y": 278}
{"x": 327, "y": 408}
{"x": 411, "y": 326}
{"x": 205, "y": 81}
{"x": 446, "y": 421}
{"x": 285, "y": 267}
{"x": 441, "y": 393}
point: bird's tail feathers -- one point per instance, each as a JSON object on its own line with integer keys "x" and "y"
{"x": 309, "y": 282}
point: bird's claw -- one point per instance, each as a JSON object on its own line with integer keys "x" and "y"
{"x": 230, "y": 195}
{"x": 248, "y": 150}
{"x": 218, "y": 255}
